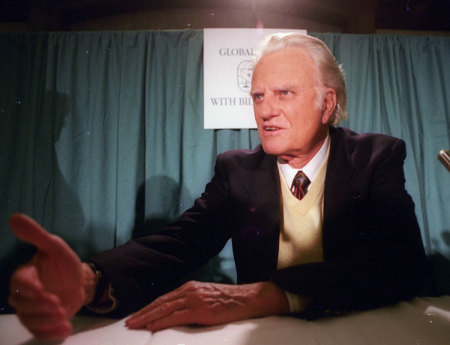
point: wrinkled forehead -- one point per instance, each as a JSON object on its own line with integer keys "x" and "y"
{"x": 292, "y": 64}
{"x": 297, "y": 53}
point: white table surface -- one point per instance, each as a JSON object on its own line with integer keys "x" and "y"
{"x": 422, "y": 321}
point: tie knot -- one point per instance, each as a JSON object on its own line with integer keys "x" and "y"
{"x": 300, "y": 185}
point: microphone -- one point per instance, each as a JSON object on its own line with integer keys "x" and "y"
{"x": 444, "y": 157}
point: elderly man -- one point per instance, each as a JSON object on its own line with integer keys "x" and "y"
{"x": 318, "y": 215}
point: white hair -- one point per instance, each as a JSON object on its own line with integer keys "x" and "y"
{"x": 329, "y": 72}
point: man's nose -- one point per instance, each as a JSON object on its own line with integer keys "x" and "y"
{"x": 269, "y": 109}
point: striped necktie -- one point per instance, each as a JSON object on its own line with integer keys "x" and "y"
{"x": 300, "y": 185}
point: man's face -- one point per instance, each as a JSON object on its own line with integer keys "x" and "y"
{"x": 290, "y": 123}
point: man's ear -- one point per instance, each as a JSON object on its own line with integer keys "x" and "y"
{"x": 329, "y": 105}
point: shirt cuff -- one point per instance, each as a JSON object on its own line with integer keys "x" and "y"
{"x": 104, "y": 299}
{"x": 295, "y": 305}
{"x": 107, "y": 305}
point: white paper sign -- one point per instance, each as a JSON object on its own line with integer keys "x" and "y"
{"x": 228, "y": 68}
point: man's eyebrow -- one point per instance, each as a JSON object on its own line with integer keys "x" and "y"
{"x": 292, "y": 86}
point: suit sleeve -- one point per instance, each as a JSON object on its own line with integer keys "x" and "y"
{"x": 147, "y": 267}
{"x": 373, "y": 249}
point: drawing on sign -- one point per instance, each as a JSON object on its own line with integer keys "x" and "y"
{"x": 244, "y": 75}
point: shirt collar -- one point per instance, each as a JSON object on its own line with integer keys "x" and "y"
{"x": 310, "y": 169}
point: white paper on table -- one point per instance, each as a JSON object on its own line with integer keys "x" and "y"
{"x": 424, "y": 321}
{"x": 87, "y": 331}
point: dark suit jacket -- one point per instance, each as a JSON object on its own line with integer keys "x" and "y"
{"x": 373, "y": 253}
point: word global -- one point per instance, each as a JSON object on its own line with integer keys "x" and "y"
{"x": 236, "y": 51}
{"x": 231, "y": 101}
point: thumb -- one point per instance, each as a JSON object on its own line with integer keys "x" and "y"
{"x": 28, "y": 230}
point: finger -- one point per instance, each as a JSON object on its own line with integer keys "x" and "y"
{"x": 27, "y": 293}
{"x": 54, "y": 332}
{"x": 42, "y": 315}
{"x": 181, "y": 292}
{"x": 46, "y": 316}
{"x": 27, "y": 229}
{"x": 43, "y": 303}
{"x": 25, "y": 284}
{"x": 156, "y": 310}
{"x": 178, "y": 318}
{"x": 157, "y": 303}
{"x": 176, "y": 300}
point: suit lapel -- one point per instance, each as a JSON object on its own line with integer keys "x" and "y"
{"x": 338, "y": 189}
{"x": 260, "y": 226}
{"x": 264, "y": 182}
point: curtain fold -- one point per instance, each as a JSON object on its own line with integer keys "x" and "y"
{"x": 102, "y": 132}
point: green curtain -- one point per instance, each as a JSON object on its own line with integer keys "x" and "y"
{"x": 103, "y": 131}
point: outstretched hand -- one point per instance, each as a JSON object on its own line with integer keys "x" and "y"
{"x": 198, "y": 303}
{"x": 47, "y": 291}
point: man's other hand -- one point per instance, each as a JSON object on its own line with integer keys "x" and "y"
{"x": 47, "y": 291}
{"x": 198, "y": 303}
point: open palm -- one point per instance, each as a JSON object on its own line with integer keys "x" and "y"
{"x": 48, "y": 290}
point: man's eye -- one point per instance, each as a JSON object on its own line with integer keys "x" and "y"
{"x": 285, "y": 92}
{"x": 257, "y": 96}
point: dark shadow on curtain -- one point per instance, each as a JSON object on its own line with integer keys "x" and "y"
{"x": 51, "y": 195}
{"x": 446, "y": 237}
{"x": 167, "y": 207}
